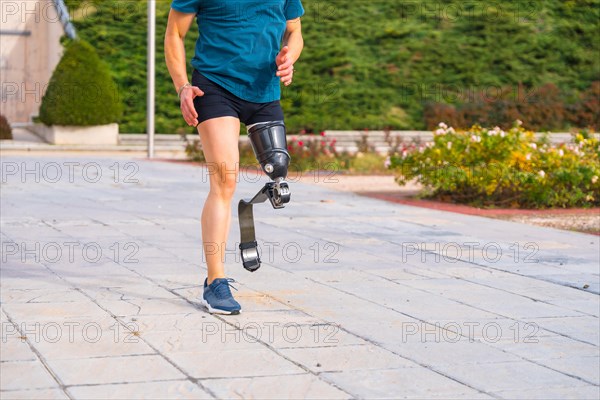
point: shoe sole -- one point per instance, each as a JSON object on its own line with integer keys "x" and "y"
{"x": 216, "y": 310}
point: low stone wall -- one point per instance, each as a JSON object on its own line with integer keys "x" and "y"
{"x": 345, "y": 140}
{"x": 77, "y": 135}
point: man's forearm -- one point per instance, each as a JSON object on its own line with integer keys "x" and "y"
{"x": 175, "y": 59}
{"x": 295, "y": 43}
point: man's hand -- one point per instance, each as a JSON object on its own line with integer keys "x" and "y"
{"x": 188, "y": 94}
{"x": 285, "y": 67}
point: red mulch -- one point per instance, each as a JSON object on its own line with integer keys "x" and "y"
{"x": 468, "y": 210}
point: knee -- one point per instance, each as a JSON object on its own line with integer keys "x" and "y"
{"x": 224, "y": 186}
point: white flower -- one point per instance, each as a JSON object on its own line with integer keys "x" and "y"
{"x": 495, "y": 131}
{"x": 440, "y": 132}
{"x": 451, "y": 130}
{"x": 502, "y": 134}
{"x": 519, "y": 122}
{"x": 542, "y": 174}
{"x": 528, "y": 157}
{"x": 533, "y": 146}
{"x": 475, "y": 138}
{"x": 404, "y": 153}
{"x": 594, "y": 179}
{"x": 443, "y": 125}
{"x": 561, "y": 152}
{"x": 449, "y": 145}
{"x": 388, "y": 162}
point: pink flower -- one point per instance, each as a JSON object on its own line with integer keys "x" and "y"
{"x": 323, "y": 133}
{"x": 388, "y": 162}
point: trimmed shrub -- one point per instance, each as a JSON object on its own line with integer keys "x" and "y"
{"x": 5, "y": 129}
{"x": 510, "y": 169}
{"x": 382, "y": 74}
{"x": 540, "y": 109}
{"x": 81, "y": 91}
{"x": 586, "y": 112}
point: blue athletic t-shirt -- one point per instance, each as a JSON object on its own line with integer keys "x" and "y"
{"x": 239, "y": 41}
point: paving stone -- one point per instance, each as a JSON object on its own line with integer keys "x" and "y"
{"x": 13, "y": 347}
{"x": 584, "y": 368}
{"x": 145, "y": 390}
{"x": 146, "y": 324}
{"x": 211, "y": 335}
{"x": 90, "y": 340}
{"x": 44, "y": 312}
{"x": 147, "y": 306}
{"x": 274, "y": 318}
{"x": 106, "y": 370}
{"x": 234, "y": 363}
{"x": 439, "y": 349}
{"x": 548, "y": 347}
{"x": 495, "y": 330}
{"x": 143, "y": 291}
{"x": 34, "y": 394}
{"x": 491, "y": 299}
{"x": 510, "y": 375}
{"x": 579, "y": 393}
{"x": 25, "y": 375}
{"x": 346, "y": 358}
{"x": 41, "y": 296}
{"x": 302, "y": 386}
{"x": 406, "y": 383}
{"x": 583, "y": 328}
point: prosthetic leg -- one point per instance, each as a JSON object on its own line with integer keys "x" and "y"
{"x": 270, "y": 147}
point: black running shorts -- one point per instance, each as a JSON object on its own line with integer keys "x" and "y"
{"x": 218, "y": 102}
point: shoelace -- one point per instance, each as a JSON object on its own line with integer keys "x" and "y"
{"x": 222, "y": 288}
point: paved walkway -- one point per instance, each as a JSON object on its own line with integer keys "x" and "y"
{"x": 357, "y": 298}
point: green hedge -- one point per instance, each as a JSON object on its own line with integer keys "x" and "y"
{"x": 375, "y": 64}
{"x": 81, "y": 91}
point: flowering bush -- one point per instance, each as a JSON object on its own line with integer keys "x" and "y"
{"x": 497, "y": 168}
{"x": 310, "y": 152}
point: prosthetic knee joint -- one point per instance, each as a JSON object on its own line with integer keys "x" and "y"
{"x": 270, "y": 147}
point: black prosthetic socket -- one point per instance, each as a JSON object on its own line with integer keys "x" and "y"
{"x": 270, "y": 147}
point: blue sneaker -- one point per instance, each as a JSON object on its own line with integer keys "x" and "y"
{"x": 217, "y": 297}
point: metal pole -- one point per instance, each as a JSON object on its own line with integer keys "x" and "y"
{"x": 151, "y": 75}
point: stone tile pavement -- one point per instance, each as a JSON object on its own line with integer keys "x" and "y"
{"x": 356, "y": 298}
